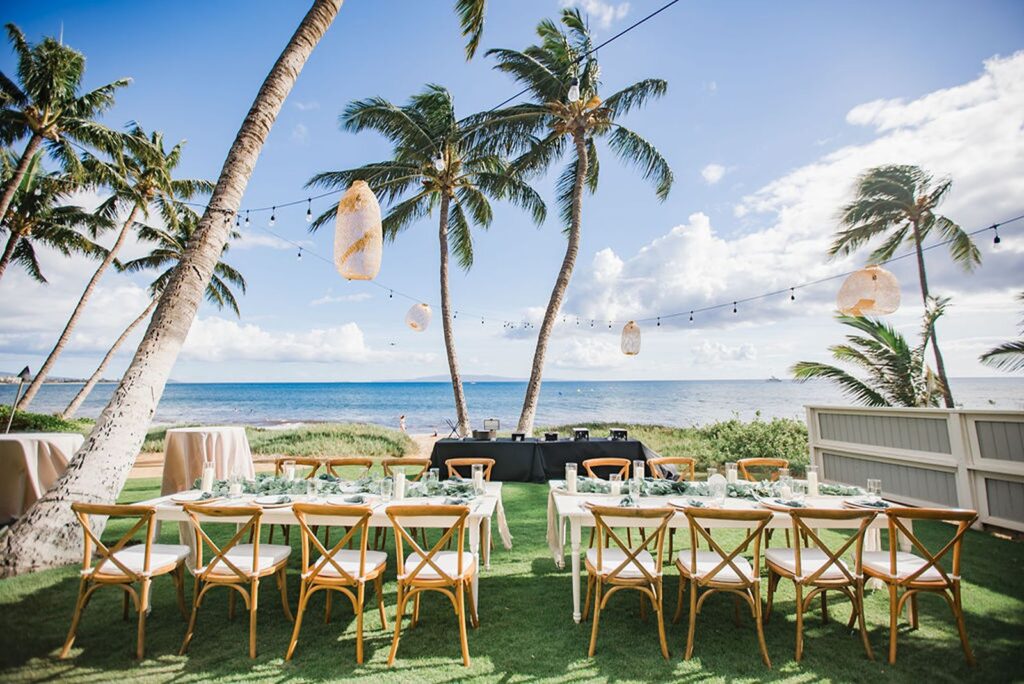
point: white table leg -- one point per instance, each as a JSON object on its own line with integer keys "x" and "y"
{"x": 474, "y": 546}
{"x": 485, "y": 530}
{"x": 574, "y": 534}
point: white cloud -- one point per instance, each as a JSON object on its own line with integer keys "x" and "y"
{"x": 712, "y": 173}
{"x": 251, "y": 240}
{"x": 711, "y": 86}
{"x": 300, "y": 134}
{"x": 337, "y": 299}
{"x": 590, "y": 353}
{"x": 605, "y": 13}
{"x": 708, "y": 352}
{"x": 306, "y": 106}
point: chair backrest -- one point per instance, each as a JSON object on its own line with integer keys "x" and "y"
{"x": 748, "y": 467}
{"x": 685, "y": 467}
{"x": 246, "y": 518}
{"x": 354, "y": 518}
{"x": 453, "y": 518}
{"x": 755, "y": 519}
{"x": 314, "y": 464}
{"x": 608, "y": 517}
{"x": 106, "y": 553}
{"x": 414, "y": 468}
{"x": 961, "y": 519}
{"x": 365, "y": 463}
{"x": 804, "y": 526}
{"x": 621, "y": 463}
{"x": 454, "y": 463}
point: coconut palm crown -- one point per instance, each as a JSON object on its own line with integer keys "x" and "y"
{"x": 1008, "y": 356}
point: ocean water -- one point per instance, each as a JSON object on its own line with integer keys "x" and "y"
{"x": 427, "y": 404}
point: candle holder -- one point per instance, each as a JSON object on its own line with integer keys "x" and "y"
{"x": 550, "y": 436}
{"x": 581, "y": 434}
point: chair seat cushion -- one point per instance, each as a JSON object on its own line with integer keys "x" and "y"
{"x": 241, "y": 557}
{"x": 878, "y": 563}
{"x": 613, "y": 558}
{"x": 810, "y": 561}
{"x": 348, "y": 559}
{"x": 448, "y": 561}
{"x": 709, "y": 560}
{"x": 162, "y": 558}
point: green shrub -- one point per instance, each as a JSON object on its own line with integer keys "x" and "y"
{"x": 42, "y": 422}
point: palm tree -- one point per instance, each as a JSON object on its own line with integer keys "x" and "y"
{"x": 170, "y": 247}
{"x": 47, "y": 106}
{"x": 141, "y": 178}
{"x": 42, "y": 217}
{"x": 48, "y": 535}
{"x": 897, "y": 375}
{"x": 437, "y": 161}
{"x": 899, "y": 202}
{"x": 1009, "y": 356}
{"x": 471, "y": 20}
{"x": 545, "y": 129}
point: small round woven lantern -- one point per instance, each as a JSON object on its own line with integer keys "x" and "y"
{"x": 418, "y": 317}
{"x": 871, "y": 291}
{"x": 631, "y": 339}
{"x": 358, "y": 237}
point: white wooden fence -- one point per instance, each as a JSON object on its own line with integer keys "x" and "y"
{"x": 926, "y": 457}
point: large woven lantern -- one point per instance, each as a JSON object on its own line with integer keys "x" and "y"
{"x": 871, "y": 291}
{"x": 631, "y": 339}
{"x": 358, "y": 238}
{"x": 418, "y": 317}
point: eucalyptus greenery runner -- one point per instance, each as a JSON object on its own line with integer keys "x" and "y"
{"x": 737, "y": 490}
{"x": 456, "y": 490}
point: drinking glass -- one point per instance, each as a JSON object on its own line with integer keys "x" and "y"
{"x": 638, "y": 469}
{"x": 812, "y": 480}
{"x": 570, "y": 477}
{"x": 289, "y": 470}
{"x": 434, "y": 475}
{"x": 634, "y": 490}
{"x": 712, "y": 471}
{"x": 799, "y": 491}
{"x": 615, "y": 482}
{"x": 874, "y": 489}
{"x": 386, "y": 488}
{"x": 311, "y": 489}
{"x": 731, "y": 472}
{"x": 478, "y": 478}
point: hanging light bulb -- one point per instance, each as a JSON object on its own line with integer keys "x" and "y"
{"x": 309, "y": 211}
{"x": 792, "y": 295}
{"x": 659, "y": 321}
{"x": 691, "y": 317}
{"x": 238, "y": 221}
{"x": 574, "y": 90}
{"x": 734, "y": 307}
{"x": 37, "y": 192}
{"x": 871, "y": 291}
{"x": 995, "y": 240}
{"x": 358, "y": 236}
{"x": 418, "y": 317}
{"x": 246, "y": 218}
{"x": 630, "y": 343}
{"x": 299, "y": 257}
{"x": 439, "y": 163}
{"x": 273, "y": 216}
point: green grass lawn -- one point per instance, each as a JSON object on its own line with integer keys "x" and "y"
{"x": 526, "y": 631}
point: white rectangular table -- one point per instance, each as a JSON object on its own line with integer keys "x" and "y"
{"x": 564, "y": 507}
{"x": 478, "y": 524}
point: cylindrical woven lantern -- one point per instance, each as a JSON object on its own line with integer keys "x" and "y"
{"x": 871, "y": 291}
{"x": 418, "y": 317}
{"x": 631, "y": 339}
{"x": 358, "y": 237}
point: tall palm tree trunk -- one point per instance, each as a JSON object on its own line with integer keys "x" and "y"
{"x": 940, "y": 365}
{"x": 65, "y": 335}
{"x": 12, "y": 242}
{"x": 461, "y": 414}
{"x": 15, "y": 180}
{"x": 529, "y": 411}
{"x": 48, "y": 535}
{"x": 87, "y": 388}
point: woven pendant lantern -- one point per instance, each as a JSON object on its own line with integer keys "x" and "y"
{"x": 871, "y": 291}
{"x": 358, "y": 237}
{"x": 418, "y": 317}
{"x": 631, "y": 339}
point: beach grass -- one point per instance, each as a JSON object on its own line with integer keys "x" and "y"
{"x": 526, "y": 632}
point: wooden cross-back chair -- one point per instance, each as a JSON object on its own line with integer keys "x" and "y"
{"x": 749, "y": 468}
{"x": 419, "y": 466}
{"x": 340, "y": 569}
{"x": 623, "y": 464}
{"x": 238, "y": 567}
{"x": 314, "y": 465}
{"x": 334, "y": 464}
{"x": 686, "y": 467}
{"x": 448, "y": 572}
{"x": 453, "y": 464}
{"x": 122, "y": 566}
{"x": 913, "y": 573}
{"x": 625, "y": 566}
{"x": 821, "y": 568}
{"x": 720, "y": 570}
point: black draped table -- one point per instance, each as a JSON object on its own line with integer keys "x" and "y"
{"x": 534, "y": 460}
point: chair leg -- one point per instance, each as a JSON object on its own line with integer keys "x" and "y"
{"x": 461, "y": 613}
{"x": 824, "y": 609}
{"x": 360, "y": 595}
{"x": 773, "y": 583}
{"x": 270, "y": 538}
{"x": 913, "y": 611}
{"x": 231, "y": 604}
{"x": 253, "y": 601}
{"x": 859, "y": 611}
{"x": 679, "y": 601}
{"x": 140, "y": 647}
{"x": 474, "y": 619}
{"x": 693, "y": 619}
{"x": 756, "y": 595}
{"x": 799, "y": 620}
{"x": 79, "y": 607}
{"x": 961, "y": 626}
{"x": 190, "y": 630}
{"x": 124, "y": 606}
{"x": 643, "y": 606}
{"x": 303, "y": 600}
{"x": 399, "y": 612}
{"x": 659, "y": 609}
{"x": 597, "y": 616}
{"x": 379, "y": 589}
{"x": 282, "y": 584}
{"x": 586, "y": 602}
{"x": 179, "y": 584}
{"x": 415, "y": 609}
{"x": 327, "y": 606}
{"x": 893, "y": 622}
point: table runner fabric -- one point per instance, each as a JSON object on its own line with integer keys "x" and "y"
{"x": 185, "y": 450}
{"x": 31, "y": 463}
{"x": 533, "y": 460}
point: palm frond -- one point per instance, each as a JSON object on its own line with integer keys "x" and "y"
{"x": 632, "y": 148}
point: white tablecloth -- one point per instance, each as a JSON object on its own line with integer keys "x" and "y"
{"x": 185, "y": 450}
{"x": 30, "y": 463}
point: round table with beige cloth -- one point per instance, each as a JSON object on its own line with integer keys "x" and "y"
{"x": 185, "y": 450}
{"x": 30, "y": 464}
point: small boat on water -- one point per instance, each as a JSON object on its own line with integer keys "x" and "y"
{"x": 773, "y": 379}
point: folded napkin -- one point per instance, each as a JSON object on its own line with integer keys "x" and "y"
{"x": 279, "y": 500}
{"x": 695, "y": 503}
{"x": 628, "y": 502}
{"x": 456, "y": 501}
{"x": 357, "y": 499}
{"x": 872, "y": 504}
{"x": 792, "y": 503}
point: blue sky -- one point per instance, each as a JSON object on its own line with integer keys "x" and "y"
{"x": 766, "y": 123}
